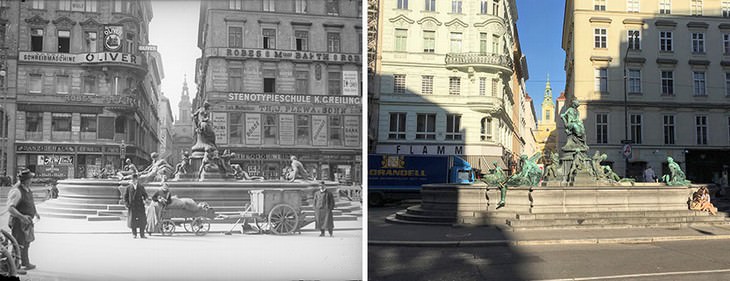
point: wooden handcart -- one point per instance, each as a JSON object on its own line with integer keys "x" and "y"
{"x": 275, "y": 211}
{"x": 197, "y": 222}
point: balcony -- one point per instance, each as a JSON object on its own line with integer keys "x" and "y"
{"x": 485, "y": 104}
{"x": 479, "y": 61}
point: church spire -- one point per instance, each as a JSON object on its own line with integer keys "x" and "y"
{"x": 548, "y": 90}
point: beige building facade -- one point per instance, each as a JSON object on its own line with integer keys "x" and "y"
{"x": 546, "y": 133}
{"x": 657, "y": 74}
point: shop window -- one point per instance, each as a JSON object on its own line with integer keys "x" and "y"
{"x": 303, "y": 136}
{"x": 36, "y": 39}
{"x": 63, "y": 84}
{"x": 88, "y": 126}
{"x": 106, "y": 128}
{"x": 34, "y": 125}
{"x": 119, "y": 125}
{"x": 61, "y": 126}
{"x": 335, "y": 131}
{"x": 235, "y": 135}
{"x": 270, "y": 128}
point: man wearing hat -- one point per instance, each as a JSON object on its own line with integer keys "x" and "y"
{"x": 134, "y": 198}
{"x": 22, "y": 211}
{"x": 324, "y": 203}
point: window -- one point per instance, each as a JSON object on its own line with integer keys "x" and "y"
{"x": 634, "y": 39}
{"x": 453, "y": 127}
{"x": 454, "y": 85}
{"x": 426, "y": 85}
{"x": 399, "y": 84}
{"x": 668, "y": 129}
{"x": 701, "y": 122}
{"x": 397, "y": 129}
{"x": 636, "y": 128}
{"x": 698, "y": 43}
{"x": 430, "y": 5}
{"x": 334, "y": 83}
{"x": 303, "y": 130}
{"x": 269, "y": 5}
{"x": 601, "y": 128}
{"x": 90, "y": 6}
{"x": 696, "y": 7}
{"x": 665, "y": 7}
{"x": 699, "y": 83}
{"x": 483, "y": 43}
{"x": 64, "y": 41}
{"x": 401, "y": 36}
{"x": 88, "y": 123}
{"x": 34, "y": 125}
{"x": 235, "y": 37}
{"x": 38, "y": 4}
{"x": 335, "y": 134}
{"x": 90, "y": 41}
{"x": 333, "y": 8}
{"x": 235, "y": 133}
{"x": 455, "y": 42}
{"x": 599, "y": 38}
{"x": 634, "y": 81}
{"x": 425, "y": 126}
{"x": 63, "y": 84}
{"x": 36, "y": 39}
{"x": 665, "y": 41}
{"x": 270, "y": 128}
{"x": 599, "y": 5}
{"x": 726, "y": 9}
{"x": 235, "y": 78}
{"x": 456, "y": 6}
{"x": 667, "y": 83}
{"x": 402, "y": 4}
{"x": 130, "y": 43}
{"x": 495, "y": 7}
{"x": 601, "y": 80}
{"x": 122, "y": 6}
{"x": 302, "y": 82}
{"x": 269, "y": 38}
{"x": 301, "y": 40}
{"x": 632, "y": 6}
{"x": 495, "y": 44}
{"x": 235, "y": 4}
{"x": 482, "y": 86}
{"x": 483, "y": 7}
{"x": 486, "y": 131}
{"x": 90, "y": 84}
{"x": 269, "y": 85}
{"x": 429, "y": 41}
{"x": 64, "y": 5}
{"x": 35, "y": 83}
{"x": 726, "y": 43}
{"x": 333, "y": 42}
{"x": 300, "y": 6}
{"x": 60, "y": 126}
{"x": 727, "y": 84}
{"x": 495, "y": 86}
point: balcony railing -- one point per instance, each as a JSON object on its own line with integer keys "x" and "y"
{"x": 477, "y": 59}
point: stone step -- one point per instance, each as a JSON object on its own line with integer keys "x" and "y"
{"x": 394, "y": 219}
{"x": 418, "y": 210}
{"x": 45, "y": 210}
{"x": 647, "y": 214}
{"x": 64, "y": 216}
{"x": 67, "y": 205}
{"x": 618, "y": 226}
{"x": 86, "y": 200}
{"x": 103, "y": 218}
{"x": 111, "y": 213}
{"x": 612, "y": 221}
{"x": 404, "y": 215}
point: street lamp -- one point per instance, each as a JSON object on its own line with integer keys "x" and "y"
{"x": 626, "y": 112}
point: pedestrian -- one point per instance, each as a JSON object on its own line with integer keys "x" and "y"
{"x": 22, "y": 211}
{"x": 324, "y": 203}
{"x": 649, "y": 174}
{"x": 701, "y": 201}
{"x": 134, "y": 199}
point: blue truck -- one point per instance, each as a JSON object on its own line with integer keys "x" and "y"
{"x": 398, "y": 177}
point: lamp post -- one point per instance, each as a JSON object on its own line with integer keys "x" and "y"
{"x": 626, "y": 113}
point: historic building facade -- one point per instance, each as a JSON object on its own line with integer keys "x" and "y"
{"x": 283, "y": 78}
{"x": 546, "y": 134}
{"x": 449, "y": 80}
{"x": 655, "y": 73}
{"x": 84, "y": 96}
{"x": 167, "y": 131}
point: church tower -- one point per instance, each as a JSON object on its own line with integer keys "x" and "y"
{"x": 183, "y": 137}
{"x": 546, "y": 134}
{"x": 184, "y": 106}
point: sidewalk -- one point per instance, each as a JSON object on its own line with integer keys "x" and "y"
{"x": 381, "y": 233}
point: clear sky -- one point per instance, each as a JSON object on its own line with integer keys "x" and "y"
{"x": 540, "y": 26}
{"x": 174, "y": 29}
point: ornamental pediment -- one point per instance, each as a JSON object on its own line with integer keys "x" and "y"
{"x": 64, "y": 22}
{"x": 429, "y": 22}
{"x": 456, "y": 24}
{"x": 90, "y": 23}
{"x": 37, "y": 20}
{"x": 492, "y": 26}
{"x": 401, "y": 20}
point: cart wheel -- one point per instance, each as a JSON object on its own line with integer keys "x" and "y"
{"x": 168, "y": 227}
{"x": 283, "y": 219}
{"x": 9, "y": 242}
{"x": 7, "y": 263}
{"x": 187, "y": 222}
{"x": 200, "y": 226}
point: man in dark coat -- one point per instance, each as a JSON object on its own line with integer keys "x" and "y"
{"x": 134, "y": 198}
{"x": 324, "y": 203}
{"x": 22, "y": 211}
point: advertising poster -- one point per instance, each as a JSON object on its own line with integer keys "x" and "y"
{"x": 113, "y": 35}
{"x": 286, "y": 129}
{"x": 253, "y": 128}
{"x": 319, "y": 130}
{"x": 349, "y": 83}
{"x": 220, "y": 127}
{"x": 352, "y": 131}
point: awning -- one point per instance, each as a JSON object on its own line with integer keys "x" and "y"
{"x": 484, "y": 163}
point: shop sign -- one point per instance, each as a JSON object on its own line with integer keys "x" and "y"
{"x": 45, "y": 148}
{"x": 253, "y": 128}
{"x": 105, "y": 100}
{"x": 113, "y": 35}
{"x": 220, "y": 127}
{"x": 83, "y": 58}
{"x": 83, "y": 148}
{"x": 310, "y": 109}
{"x": 52, "y": 171}
{"x": 319, "y": 130}
{"x": 286, "y": 129}
{"x": 352, "y": 131}
{"x": 78, "y": 5}
{"x": 147, "y": 48}
{"x": 291, "y": 98}
{"x": 258, "y": 156}
{"x": 288, "y": 55}
{"x": 420, "y": 149}
{"x": 349, "y": 83}
{"x": 53, "y": 160}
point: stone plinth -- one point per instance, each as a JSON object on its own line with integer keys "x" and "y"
{"x": 609, "y": 199}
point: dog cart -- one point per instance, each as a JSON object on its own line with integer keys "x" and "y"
{"x": 197, "y": 221}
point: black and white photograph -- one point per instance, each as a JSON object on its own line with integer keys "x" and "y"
{"x": 181, "y": 139}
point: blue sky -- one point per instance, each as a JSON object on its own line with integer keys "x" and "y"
{"x": 540, "y": 26}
